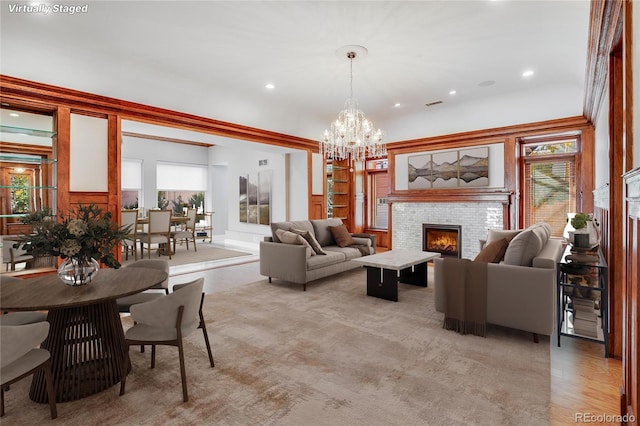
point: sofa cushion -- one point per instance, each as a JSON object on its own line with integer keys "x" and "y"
{"x": 526, "y": 245}
{"x": 349, "y": 252}
{"x": 321, "y": 230}
{"x": 297, "y": 224}
{"x": 310, "y": 239}
{"x": 331, "y": 258}
{"x": 341, "y": 235}
{"x": 288, "y": 237}
{"x": 493, "y": 252}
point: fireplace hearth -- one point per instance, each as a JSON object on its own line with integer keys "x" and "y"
{"x": 443, "y": 239}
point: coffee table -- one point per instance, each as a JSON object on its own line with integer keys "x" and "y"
{"x": 385, "y": 270}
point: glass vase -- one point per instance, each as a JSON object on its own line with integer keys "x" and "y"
{"x": 77, "y": 272}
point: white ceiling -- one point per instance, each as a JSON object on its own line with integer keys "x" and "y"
{"x": 213, "y": 59}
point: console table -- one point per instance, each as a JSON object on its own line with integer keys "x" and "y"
{"x": 582, "y": 293}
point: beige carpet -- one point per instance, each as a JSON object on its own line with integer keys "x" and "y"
{"x": 206, "y": 252}
{"x": 327, "y": 356}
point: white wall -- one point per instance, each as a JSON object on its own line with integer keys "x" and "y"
{"x": 150, "y": 152}
{"x": 239, "y": 162}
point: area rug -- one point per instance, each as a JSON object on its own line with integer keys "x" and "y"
{"x": 327, "y": 356}
{"x": 182, "y": 256}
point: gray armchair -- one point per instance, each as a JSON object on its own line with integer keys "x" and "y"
{"x": 125, "y": 303}
{"x": 19, "y": 358}
{"x": 165, "y": 321}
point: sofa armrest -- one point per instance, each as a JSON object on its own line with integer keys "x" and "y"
{"x": 549, "y": 255}
{"x": 283, "y": 261}
{"x": 371, "y": 237}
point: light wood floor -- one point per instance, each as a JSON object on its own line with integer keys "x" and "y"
{"x": 582, "y": 380}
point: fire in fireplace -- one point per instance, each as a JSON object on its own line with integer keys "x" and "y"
{"x": 443, "y": 239}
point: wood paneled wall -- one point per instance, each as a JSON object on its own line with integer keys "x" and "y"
{"x": 631, "y": 296}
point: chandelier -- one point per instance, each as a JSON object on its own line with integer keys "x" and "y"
{"x": 352, "y": 136}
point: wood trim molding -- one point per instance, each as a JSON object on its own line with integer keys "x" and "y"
{"x": 166, "y": 139}
{"x": 489, "y": 136}
{"x": 451, "y": 196}
{"x": 21, "y": 91}
{"x": 604, "y": 33}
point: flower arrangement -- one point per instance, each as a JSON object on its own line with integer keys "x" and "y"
{"x": 86, "y": 233}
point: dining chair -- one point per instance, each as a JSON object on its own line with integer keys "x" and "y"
{"x": 202, "y": 324}
{"x": 19, "y": 358}
{"x": 158, "y": 232}
{"x": 129, "y": 218}
{"x": 164, "y": 321}
{"x": 19, "y": 318}
{"x": 13, "y": 256}
{"x": 189, "y": 231}
{"x": 125, "y": 303}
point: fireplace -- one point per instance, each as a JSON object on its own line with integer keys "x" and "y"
{"x": 443, "y": 239}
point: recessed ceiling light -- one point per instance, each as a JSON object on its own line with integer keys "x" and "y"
{"x": 397, "y": 105}
{"x": 452, "y": 92}
{"x": 13, "y": 114}
{"x": 270, "y": 86}
{"x": 527, "y": 73}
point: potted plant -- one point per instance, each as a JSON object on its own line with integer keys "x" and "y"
{"x": 585, "y": 232}
{"x": 84, "y": 237}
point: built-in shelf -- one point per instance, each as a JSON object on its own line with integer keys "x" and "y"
{"x": 8, "y": 158}
{"x": 27, "y": 132}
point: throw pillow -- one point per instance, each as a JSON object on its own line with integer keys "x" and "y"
{"x": 525, "y": 246}
{"x": 341, "y": 235}
{"x": 493, "y": 252}
{"x": 310, "y": 240}
{"x": 288, "y": 237}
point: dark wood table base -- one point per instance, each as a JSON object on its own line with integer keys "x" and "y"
{"x": 87, "y": 351}
{"x": 383, "y": 283}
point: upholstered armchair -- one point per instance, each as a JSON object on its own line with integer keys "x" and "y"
{"x": 165, "y": 321}
{"x": 20, "y": 357}
{"x": 188, "y": 233}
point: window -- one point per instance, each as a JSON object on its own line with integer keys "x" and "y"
{"x": 549, "y": 182}
{"x": 378, "y": 189}
{"x": 131, "y": 184}
{"x": 181, "y": 186}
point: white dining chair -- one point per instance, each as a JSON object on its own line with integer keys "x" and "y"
{"x": 188, "y": 233}
{"x": 129, "y": 218}
{"x": 159, "y": 232}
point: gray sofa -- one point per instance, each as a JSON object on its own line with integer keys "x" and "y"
{"x": 521, "y": 289}
{"x": 295, "y": 263}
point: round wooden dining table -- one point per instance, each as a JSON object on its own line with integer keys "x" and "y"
{"x": 86, "y": 339}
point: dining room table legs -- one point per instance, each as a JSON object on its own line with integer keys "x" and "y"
{"x": 87, "y": 351}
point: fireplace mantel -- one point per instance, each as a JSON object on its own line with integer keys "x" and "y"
{"x": 447, "y": 195}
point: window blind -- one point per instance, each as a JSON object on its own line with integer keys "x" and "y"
{"x": 550, "y": 192}
{"x": 180, "y": 177}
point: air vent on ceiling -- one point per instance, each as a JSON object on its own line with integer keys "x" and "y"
{"x": 433, "y": 103}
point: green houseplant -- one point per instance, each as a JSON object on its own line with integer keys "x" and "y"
{"x": 83, "y": 237}
{"x": 579, "y": 221}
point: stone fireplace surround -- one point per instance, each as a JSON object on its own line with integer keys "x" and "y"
{"x": 474, "y": 217}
